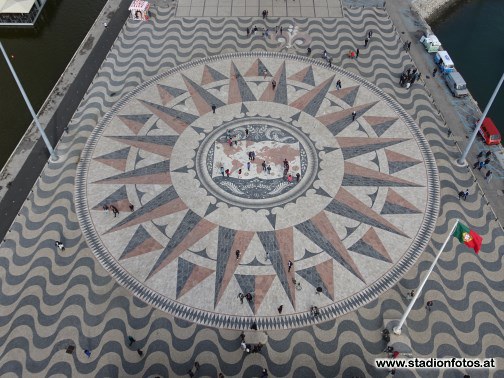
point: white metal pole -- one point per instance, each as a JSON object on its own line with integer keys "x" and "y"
{"x": 397, "y": 329}
{"x": 25, "y": 97}
{"x": 462, "y": 160}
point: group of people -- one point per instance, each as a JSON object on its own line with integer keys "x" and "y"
{"x": 286, "y": 175}
{"x": 250, "y": 348}
{"x": 247, "y": 296}
{"x": 408, "y": 77}
{"x": 483, "y": 160}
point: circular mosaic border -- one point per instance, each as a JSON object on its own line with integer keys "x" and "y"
{"x": 273, "y": 322}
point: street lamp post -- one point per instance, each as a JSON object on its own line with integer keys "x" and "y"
{"x": 54, "y": 157}
{"x": 462, "y": 161}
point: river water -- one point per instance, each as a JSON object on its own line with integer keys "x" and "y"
{"x": 472, "y": 32}
{"x": 39, "y": 57}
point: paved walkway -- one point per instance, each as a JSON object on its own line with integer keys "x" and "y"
{"x": 52, "y": 299}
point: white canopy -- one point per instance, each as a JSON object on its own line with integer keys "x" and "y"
{"x": 16, "y": 6}
{"x": 139, "y": 5}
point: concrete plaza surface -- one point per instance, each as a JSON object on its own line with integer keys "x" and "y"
{"x": 354, "y": 226}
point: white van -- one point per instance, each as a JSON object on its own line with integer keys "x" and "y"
{"x": 456, "y": 84}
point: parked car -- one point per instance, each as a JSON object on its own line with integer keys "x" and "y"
{"x": 489, "y": 132}
{"x": 456, "y": 84}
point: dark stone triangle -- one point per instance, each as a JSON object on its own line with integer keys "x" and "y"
{"x": 184, "y": 270}
{"x": 373, "y": 196}
{"x": 309, "y": 79}
{"x": 174, "y": 92}
{"x": 311, "y": 231}
{"x": 135, "y": 122}
{"x": 216, "y": 75}
{"x": 225, "y": 242}
{"x": 138, "y": 238}
{"x": 169, "y": 140}
{"x": 242, "y": 87}
{"x": 308, "y": 254}
{"x": 322, "y": 192}
{"x": 204, "y": 94}
{"x": 272, "y": 219}
{"x": 362, "y": 248}
{"x": 247, "y": 285}
{"x": 347, "y": 211}
{"x": 393, "y": 208}
{"x": 176, "y": 119}
{"x": 353, "y": 151}
{"x": 119, "y": 195}
{"x": 350, "y": 97}
{"x": 382, "y": 127}
{"x": 190, "y": 221}
{"x": 116, "y": 155}
{"x": 244, "y": 109}
{"x": 270, "y": 243}
{"x": 204, "y": 254}
{"x": 183, "y": 169}
{"x": 313, "y": 277}
{"x": 328, "y": 150}
{"x": 295, "y": 117}
{"x": 210, "y": 209}
{"x": 136, "y": 175}
{"x": 199, "y": 129}
{"x": 396, "y": 166}
{"x": 164, "y": 197}
{"x": 281, "y": 88}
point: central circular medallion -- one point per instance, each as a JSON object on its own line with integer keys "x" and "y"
{"x": 256, "y": 163}
{"x": 227, "y": 184}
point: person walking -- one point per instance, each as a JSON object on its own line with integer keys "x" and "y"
{"x": 488, "y": 176}
{"x": 222, "y": 171}
{"x": 338, "y": 85}
{"x": 366, "y": 42}
{"x": 481, "y": 164}
{"x": 289, "y": 266}
{"x": 228, "y": 172}
{"x": 264, "y": 165}
{"x": 488, "y": 153}
{"x": 408, "y": 85}
{"x": 268, "y": 169}
{"x": 140, "y": 352}
{"x": 213, "y": 108}
{"x": 280, "y": 309}
{"x": 329, "y": 61}
{"x": 248, "y": 165}
{"x": 241, "y": 296}
{"x": 410, "y": 294}
{"x": 357, "y": 53}
{"x": 370, "y": 34}
{"x": 273, "y": 84}
{"x": 60, "y": 245}
{"x": 246, "y": 132}
{"x": 354, "y": 114}
{"x": 308, "y": 51}
{"x": 409, "y": 45}
{"x": 428, "y": 305}
{"x": 248, "y": 31}
{"x": 237, "y": 253}
{"x": 434, "y": 72}
{"x": 131, "y": 340}
{"x": 298, "y": 177}
{"x": 461, "y": 195}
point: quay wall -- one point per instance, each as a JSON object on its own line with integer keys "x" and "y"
{"x": 431, "y": 9}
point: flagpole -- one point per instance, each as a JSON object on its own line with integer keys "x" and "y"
{"x": 397, "y": 328}
{"x": 54, "y": 157}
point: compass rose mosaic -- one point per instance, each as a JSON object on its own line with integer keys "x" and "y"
{"x": 226, "y": 169}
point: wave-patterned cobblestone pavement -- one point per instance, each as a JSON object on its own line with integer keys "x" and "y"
{"x": 51, "y": 299}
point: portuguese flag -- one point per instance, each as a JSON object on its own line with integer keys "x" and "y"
{"x": 468, "y": 237}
